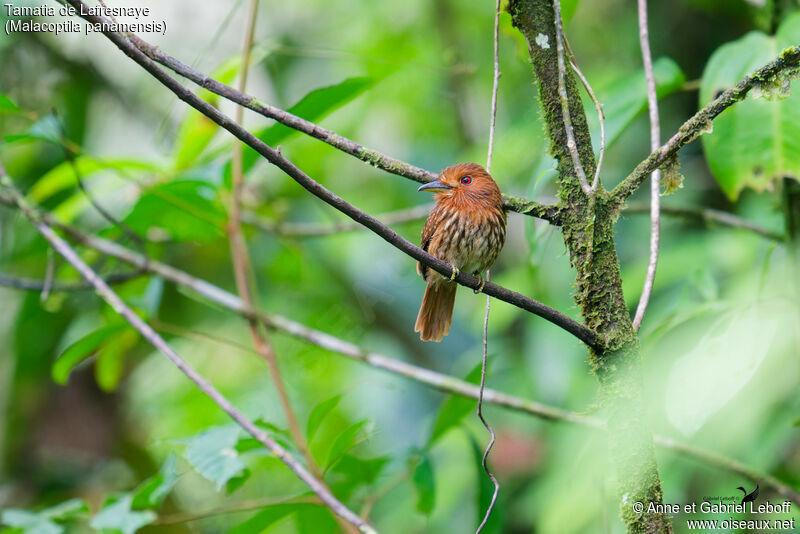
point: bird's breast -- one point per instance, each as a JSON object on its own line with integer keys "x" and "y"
{"x": 469, "y": 239}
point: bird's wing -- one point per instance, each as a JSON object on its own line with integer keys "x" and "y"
{"x": 427, "y": 235}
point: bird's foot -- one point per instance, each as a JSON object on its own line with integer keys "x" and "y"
{"x": 483, "y": 283}
{"x": 455, "y": 272}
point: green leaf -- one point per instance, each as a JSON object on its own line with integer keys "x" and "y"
{"x": 152, "y": 492}
{"x": 351, "y": 472}
{"x": 185, "y": 210}
{"x": 62, "y": 176}
{"x": 110, "y": 364}
{"x": 117, "y": 517}
{"x": 45, "y": 129}
{"x": 317, "y": 520}
{"x": 266, "y": 518}
{"x": 344, "y": 442}
{"x": 80, "y": 350}
{"x": 7, "y": 105}
{"x": 454, "y": 409}
{"x": 754, "y": 142}
{"x": 213, "y": 454}
{"x": 626, "y": 98}
{"x": 425, "y": 485}
{"x": 29, "y": 522}
{"x": 313, "y": 107}
{"x": 485, "y": 492}
{"x": 318, "y": 415}
{"x": 67, "y": 510}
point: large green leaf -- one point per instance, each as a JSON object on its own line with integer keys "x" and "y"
{"x": 344, "y": 442}
{"x": 29, "y": 522}
{"x": 756, "y": 141}
{"x": 213, "y": 454}
{"x": 314, "y": 106}
{"x": 425, "y": 485}
{"x": 152, "y": 492}
{"x": 80, "y": 350}
{"x": 318, "y": 415}
{"x": 266, "y": 518}
{"x": 118, "y": 517}
{"x": 7, "y": 105}
{"x": 626, "y": 98}
{"x": 454, "y": 409}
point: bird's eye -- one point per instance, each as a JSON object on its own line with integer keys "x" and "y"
{"x": 466, "y": 180}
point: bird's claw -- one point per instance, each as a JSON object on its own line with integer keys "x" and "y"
{"x": 480, "y": 287}
{"x": 455, "y": 272}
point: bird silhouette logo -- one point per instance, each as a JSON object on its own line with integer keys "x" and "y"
{"x": 748, "y": 497}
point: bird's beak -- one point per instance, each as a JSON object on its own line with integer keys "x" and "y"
{"x": 436, "y": 185}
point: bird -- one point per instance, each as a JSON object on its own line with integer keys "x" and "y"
{"x": 467, "y": 229}
{"x": 748, "y": 497}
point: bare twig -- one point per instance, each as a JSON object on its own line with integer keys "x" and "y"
{"x": 481, "y": 391}
{"x": 708, "y": 215}
{"x": 276, "y": 158}
{"x": 373, "y": 157}
{"x": 492, "y": 117}
{"x": 31, "y": 284}
{"x": 147, "y": 332}
{"x": 655, "y": 187}
{"x": 310, "y": 229}
{"x": 562, "y": 93}
{"x": 598, "y": 108}
{"x": 439, "y": 381}
{"x": 47, "y": 285}
{"x": 700, "y": 123}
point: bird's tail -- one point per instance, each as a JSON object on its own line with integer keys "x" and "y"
{"x": 436, "y": 312}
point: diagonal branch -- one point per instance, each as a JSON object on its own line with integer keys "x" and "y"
{"x": 276, "y": 158}
{"x": 373, "y": 157}
{"x": 147, "y": 332}
{"x": 700, "y": 123}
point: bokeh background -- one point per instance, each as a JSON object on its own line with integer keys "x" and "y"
{"x": 719, "y": 343}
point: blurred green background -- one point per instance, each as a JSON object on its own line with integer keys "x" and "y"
{"x": 113, "y": 426}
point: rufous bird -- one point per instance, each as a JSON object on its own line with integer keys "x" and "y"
{"x": 467, "y": 229}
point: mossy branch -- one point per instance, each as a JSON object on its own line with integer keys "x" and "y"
{"x": 701, "y": 122}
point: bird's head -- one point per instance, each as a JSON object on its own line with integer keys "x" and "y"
{"x": 465, "y": 182}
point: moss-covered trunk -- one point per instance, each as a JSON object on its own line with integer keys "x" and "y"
{"x": 588, "y": 229}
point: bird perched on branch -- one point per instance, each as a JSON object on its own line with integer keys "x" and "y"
{"x": 467, "y": 229}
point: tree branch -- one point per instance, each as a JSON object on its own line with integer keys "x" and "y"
{"x": 273, "y": 156}
{"x": 147, "y": 332}
{"x": 32, "y": 284}
{"x": 377, "y": 159}
{"x": 708, "y": 215}
{"x": 701, "y": 122}
{"x": 436, "y": 380}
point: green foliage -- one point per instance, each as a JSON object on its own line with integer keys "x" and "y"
{"x": 754, "y": 143}
{"x": 118, "y": 517}
{"x": 454, "y": 409}
{"x": 213, "y": 454}
{"x": 48, "y": 521}
{"x": 82, "y": 349}
{"x": 425, "y": 485}
{"x": 318, "y": 415}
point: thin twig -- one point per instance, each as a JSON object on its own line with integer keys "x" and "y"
{"x": 490, "y": 150}
{"x": 483, "y": 420}
{"x": 32, "y": 284}
{"x": 562, "y": 93}
{"x": 708, "y": 215}
{"x": 601, "y": 116}
{"x": 375, "y": 158}
{"x": 655, "y": 179}
{"x": 147, "y": 332}
{"x": 439, "y": 381}
{"x": 49, "y": 272}
{"x": 701, "y": 122}
{"x": 276, "y": 158}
